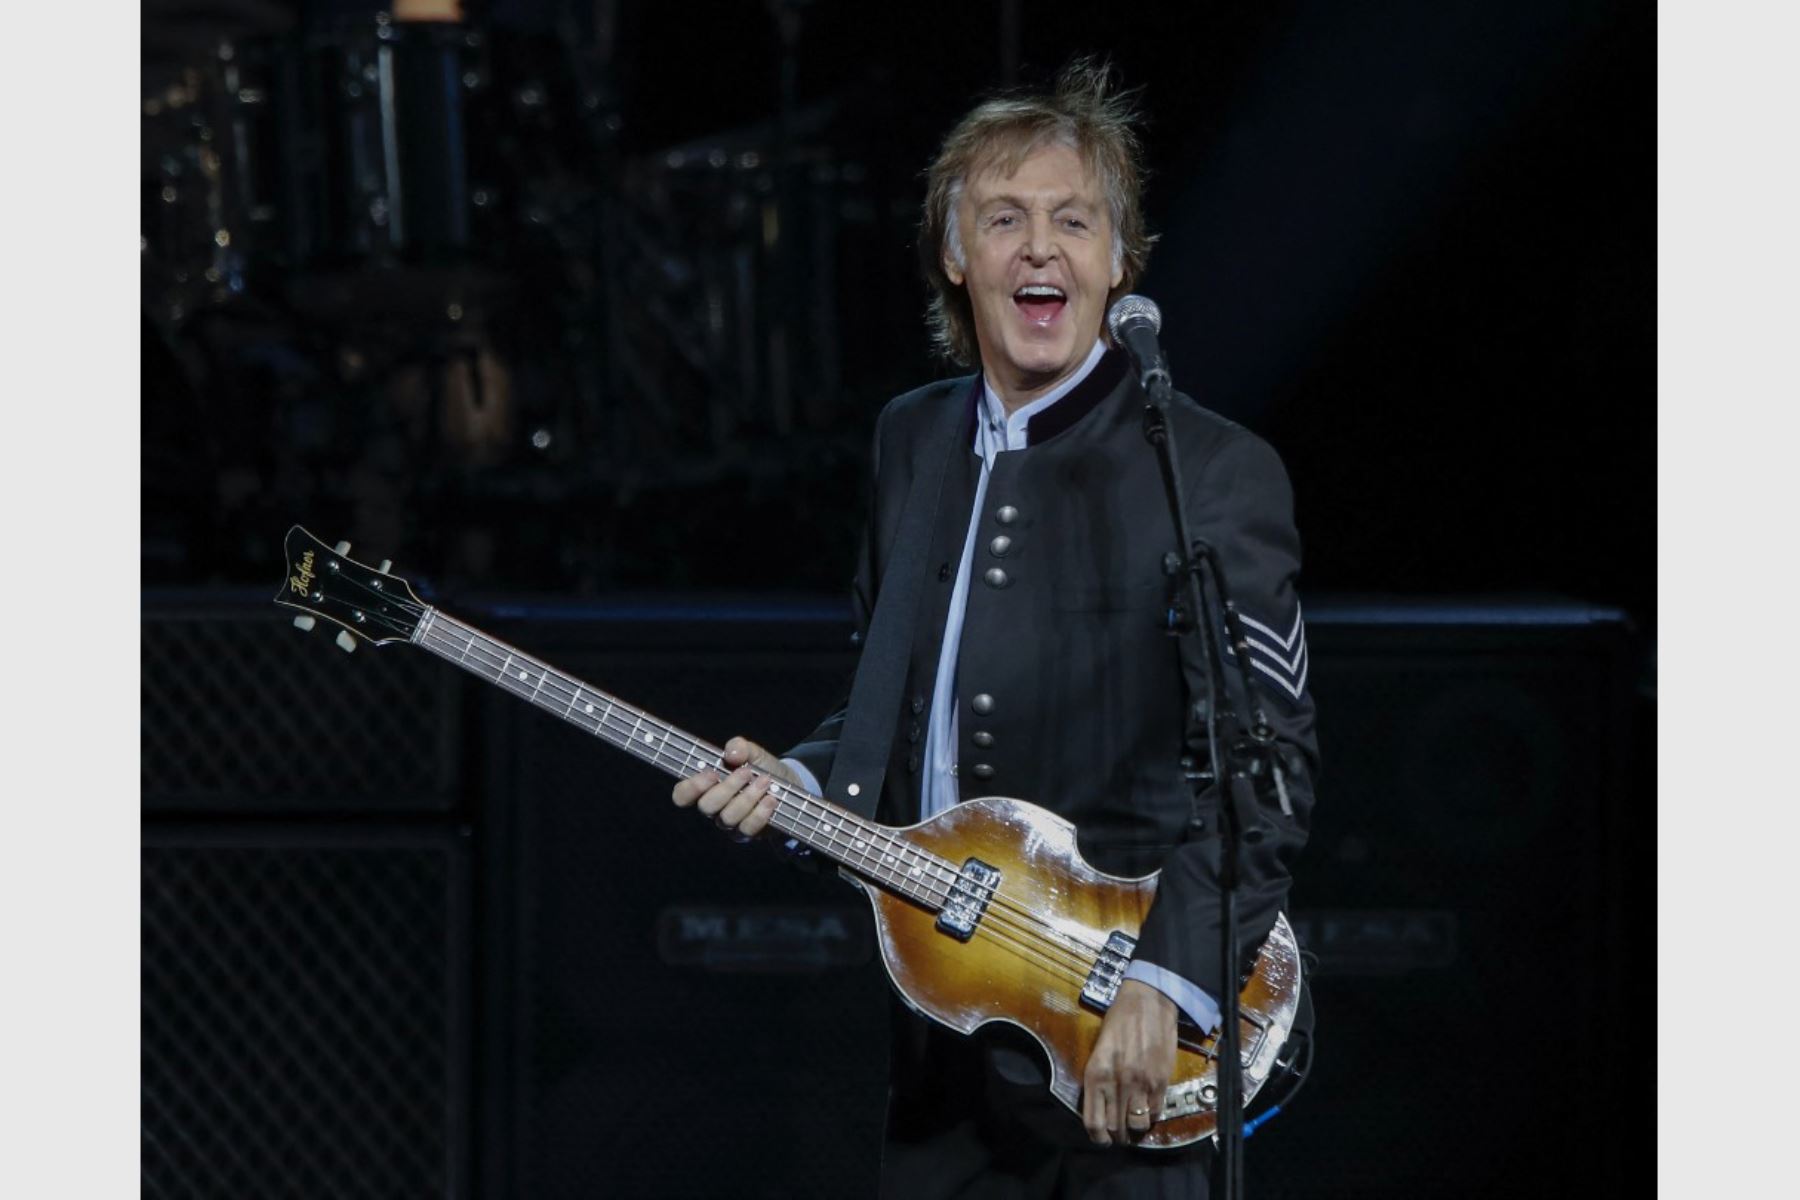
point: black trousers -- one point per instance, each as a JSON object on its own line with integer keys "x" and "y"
{"x": 972, "y": 1117}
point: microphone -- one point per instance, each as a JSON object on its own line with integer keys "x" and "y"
{"x": 1134, "y": 323}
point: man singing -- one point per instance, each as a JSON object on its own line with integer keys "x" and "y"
{"x": 1040, "y": 665}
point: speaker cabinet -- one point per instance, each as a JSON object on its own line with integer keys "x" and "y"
{"x": 305, "y": 1013}
{"x": 241, "y": 713}
{"x": 391, "y": 848}
{"x": 1476, "y": 869}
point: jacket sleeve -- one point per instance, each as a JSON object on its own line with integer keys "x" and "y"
{"x": 1241, "y": 503}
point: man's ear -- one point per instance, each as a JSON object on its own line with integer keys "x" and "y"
{"x": 954, "y": 272}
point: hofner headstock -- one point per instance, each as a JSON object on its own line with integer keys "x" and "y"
{"x": 325, "y": 582}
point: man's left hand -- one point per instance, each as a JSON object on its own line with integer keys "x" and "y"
{"x": 1130, "y": 1068}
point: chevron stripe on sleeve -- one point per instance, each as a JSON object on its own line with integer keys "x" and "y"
{"x": 1279, "y": 657}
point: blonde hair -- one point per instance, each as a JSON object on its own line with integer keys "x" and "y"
{"x": 1085, "y": 114}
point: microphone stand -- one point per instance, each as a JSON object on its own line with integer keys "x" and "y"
{"x": 1247, "y": 751}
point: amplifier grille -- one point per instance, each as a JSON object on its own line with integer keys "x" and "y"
{"x": 296, "y": 1020}
{"x": 232, "y": 707}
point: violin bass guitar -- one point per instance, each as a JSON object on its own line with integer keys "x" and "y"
{"x": 984, "y": 913}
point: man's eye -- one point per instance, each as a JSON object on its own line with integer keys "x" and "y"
{"x": 1075, "y": 223}
{"x": 1004, "y": 219}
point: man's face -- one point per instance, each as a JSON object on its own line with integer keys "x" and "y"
{"x": 1038, "y": 264}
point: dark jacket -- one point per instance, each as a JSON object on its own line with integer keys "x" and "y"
{"x": 1072, "y": 694}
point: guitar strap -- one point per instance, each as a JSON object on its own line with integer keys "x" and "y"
{"x": 860, "y": 766}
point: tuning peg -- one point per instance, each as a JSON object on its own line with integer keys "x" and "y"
{"x": 383, "y": 568}
{"x": 343, "y": 548}
{"x": 345, "y": 642}
{"x": 304, "y": 624}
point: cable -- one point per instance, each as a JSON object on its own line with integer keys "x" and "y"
{"x": 1295, "y": 1063}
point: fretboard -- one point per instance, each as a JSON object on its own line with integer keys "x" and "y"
{"x": 869, "y": 850}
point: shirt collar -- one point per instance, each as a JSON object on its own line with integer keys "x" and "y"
{"x": 996, "y": 430}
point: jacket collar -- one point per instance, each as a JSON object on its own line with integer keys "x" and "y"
{"x": 1100, "y": 383}
{"x": 1081, "y": 400}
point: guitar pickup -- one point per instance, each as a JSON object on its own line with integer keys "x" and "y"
{"x": 1108, "y": 971}
{"x": 968, "y": 899}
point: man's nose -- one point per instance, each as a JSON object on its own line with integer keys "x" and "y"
{"x": 1040, "y": 242}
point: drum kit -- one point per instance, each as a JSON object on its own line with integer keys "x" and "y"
{"x": 430, "y": 223}
{"x": 340, "y": 169}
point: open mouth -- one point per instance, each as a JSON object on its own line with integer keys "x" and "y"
{"x": 1041, "y": 303}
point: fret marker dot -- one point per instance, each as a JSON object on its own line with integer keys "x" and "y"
{"x": 523, "y": 675}
{"x": 650, "y": 737}
{"x": 588, "y": 708}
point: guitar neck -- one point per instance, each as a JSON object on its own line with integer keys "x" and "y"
{"x": 868, "y": 850}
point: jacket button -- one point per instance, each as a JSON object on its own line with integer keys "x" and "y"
{"x": 918, "y": 705}
{"x": 996, "y": 578}
{"x": 944, "y": 573}
{"x": 912, "y": 762}
{"x": 1007, "y": 514}
{"x": 983, "y": 704}
{"x": 982, "y": 771}
{"x": 983, "y": 738}
{"x": 1000, "y": 546}
{"x": 912, "y": 735}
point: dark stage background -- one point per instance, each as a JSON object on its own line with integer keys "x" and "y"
{"x": 582, "y": 314}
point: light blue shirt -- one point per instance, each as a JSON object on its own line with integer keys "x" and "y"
{"x": 996, "y": 433}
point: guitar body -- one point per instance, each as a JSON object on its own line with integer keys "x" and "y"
{"x": 1017, "y": 970}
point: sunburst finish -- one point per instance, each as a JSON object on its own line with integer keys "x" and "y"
{"x": 1031, "y": 953}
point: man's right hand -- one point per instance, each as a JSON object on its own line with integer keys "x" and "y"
{"x": 734, "y": 800}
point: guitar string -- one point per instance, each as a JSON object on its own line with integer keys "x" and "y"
{"x": 1059, "y": 941}
{"x": 802, "y": 798}
{"x": 1011, "y": 938}
{"x": 1009, "y": 935}
{"x": 630, "y": 734}
{"x": 691, "y": 762}
{"x": 696, "y": 756}
{"x": 1073, "y": 972}
{"x": 1076, "y": 948}
{"x": 940, "y": 869}
{"x": 551, "y": 681}
{"x": 550, "y": 685}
